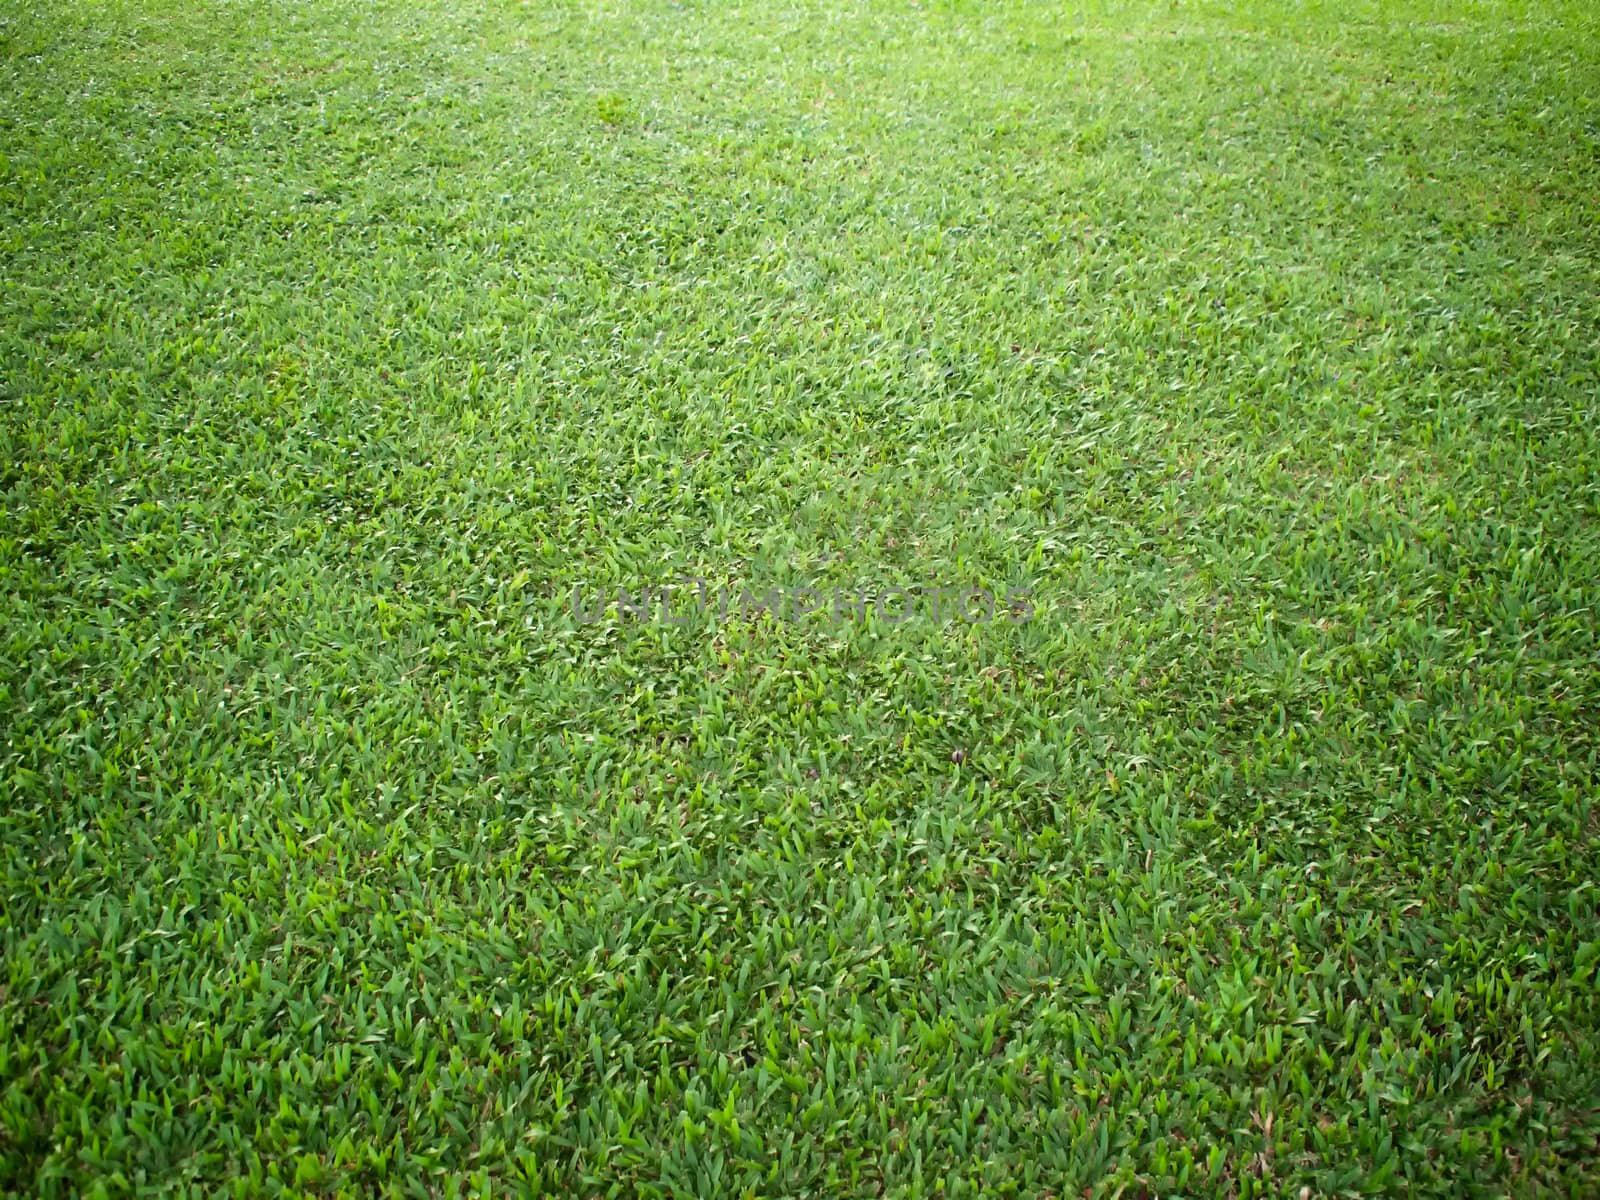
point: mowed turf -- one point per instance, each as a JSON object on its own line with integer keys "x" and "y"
{"x": 1253, "y": 856}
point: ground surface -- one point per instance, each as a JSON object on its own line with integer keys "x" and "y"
{"x": 341, "y": 342}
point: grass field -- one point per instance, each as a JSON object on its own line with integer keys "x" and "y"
{"x": 365, "y": 830}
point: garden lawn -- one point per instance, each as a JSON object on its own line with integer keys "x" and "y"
{"x": 1250, "y": 853}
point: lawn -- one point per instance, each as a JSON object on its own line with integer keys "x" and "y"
{"x": 1136, "y": 730}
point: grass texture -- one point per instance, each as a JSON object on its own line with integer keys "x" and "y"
{"x": 1258, "y": 344}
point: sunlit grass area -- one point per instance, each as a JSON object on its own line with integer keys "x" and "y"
{"x": 1163, "y": 438}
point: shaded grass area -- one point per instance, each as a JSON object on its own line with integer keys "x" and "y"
{"x": 340, "y": 344}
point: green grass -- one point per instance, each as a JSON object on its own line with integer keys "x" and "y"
{"x": 340, "y": 342}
